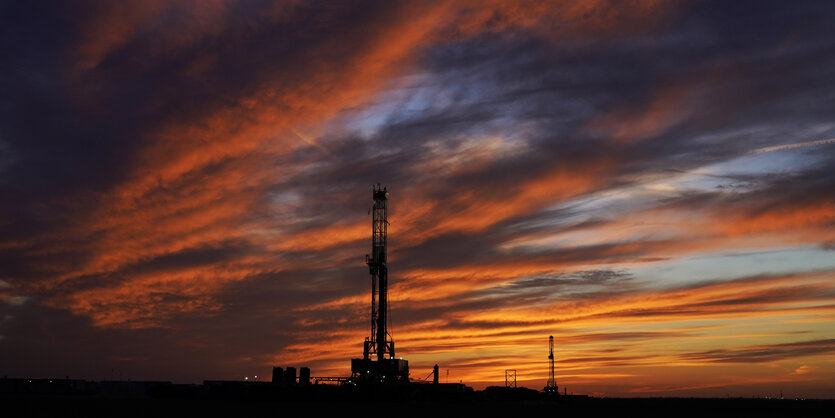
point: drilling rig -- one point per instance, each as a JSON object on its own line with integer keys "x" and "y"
{"x": 551, "y": 385}
{"x": 378, "y": 363}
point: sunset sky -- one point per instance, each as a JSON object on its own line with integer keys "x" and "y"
{"x": 185, "y": 185}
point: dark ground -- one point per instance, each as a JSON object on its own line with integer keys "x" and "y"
{"x": 40, "y": 405}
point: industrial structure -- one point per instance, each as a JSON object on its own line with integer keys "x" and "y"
{"x": 379, "y": 367}
{"x": 510, "y": 378}
{"x": 551, "y": 385}
{"x": 378, "y": 363}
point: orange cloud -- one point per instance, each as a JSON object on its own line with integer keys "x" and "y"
{"x": 326, "y": 237}
{"x": 196, "y": 179}
{"x": 666, "y": 109}
{"x": 562, "y": 19}
{"x": 782, "y": 218}
{"x": 199, "y": 175}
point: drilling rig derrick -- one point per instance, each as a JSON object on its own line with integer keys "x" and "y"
{"x": 551, "y": 385}
{"x": 378, "y": 363}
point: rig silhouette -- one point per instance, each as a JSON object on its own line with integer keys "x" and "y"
{"x": 378, "y": 363}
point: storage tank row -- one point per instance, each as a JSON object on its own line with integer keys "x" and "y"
{"x": 288, "y": 376}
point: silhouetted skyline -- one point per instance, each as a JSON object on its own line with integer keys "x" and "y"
{"x": 184, "y": 190}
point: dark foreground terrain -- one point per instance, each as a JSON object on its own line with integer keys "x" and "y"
{"x": 81, "y": 398}
{"x": 42, "y": 405}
